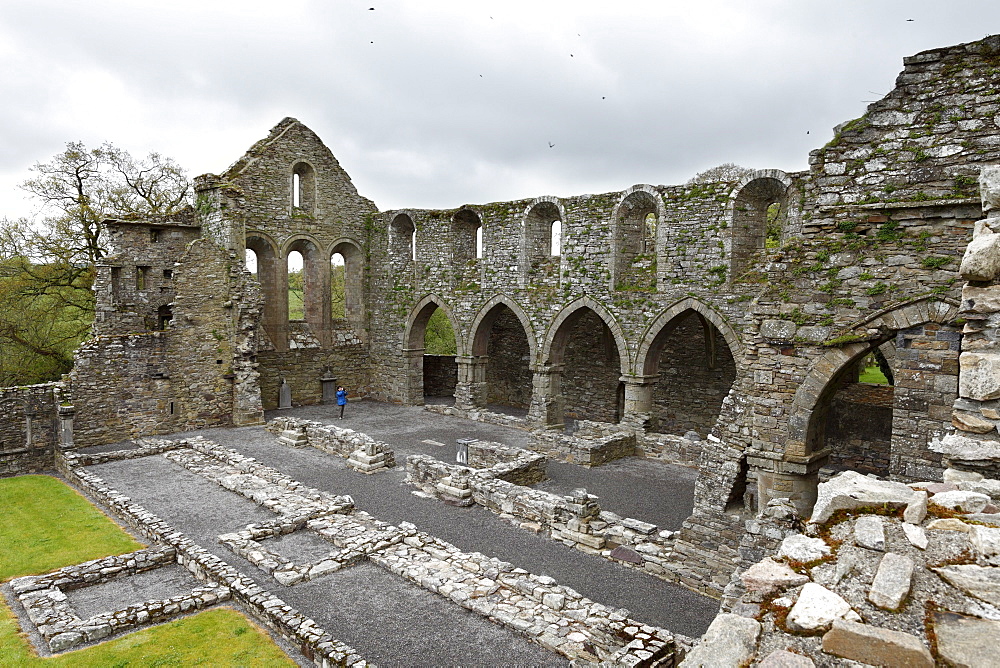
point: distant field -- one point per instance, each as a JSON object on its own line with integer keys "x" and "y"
{"x": 873, "y": 375}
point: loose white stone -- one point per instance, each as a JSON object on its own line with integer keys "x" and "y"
{"x": 817, "y": 607}
{"x": 916, "y": 535}
{"x": 869, "y": 533}
{"x": 967, "y": 502}
{"x": 803, "y": 548}
{"x": 986, "y": 541}
{"x": 916, "y": 510}
{"x": 892, "y": 581}
{"x": 731, "y": 640}
{"x": 850, "y": 490}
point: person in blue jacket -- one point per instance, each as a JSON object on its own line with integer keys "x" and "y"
{"x": 341, "y": 399}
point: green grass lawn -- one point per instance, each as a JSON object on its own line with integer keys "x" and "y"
{"x": 873, "y": 375}
{"x": 45, "y": 525}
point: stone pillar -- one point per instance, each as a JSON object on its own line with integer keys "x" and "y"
{"x": 639, "y": 401}
{"x": 975, "y": 443}
{"x": 547, "y": 404}
{"x": 29, "y": 427}
{"x": 66, "y": 414}
{"x": 470, "y": 391}
{"x": 413, "y": 376}
{"x": 792, "y": 478}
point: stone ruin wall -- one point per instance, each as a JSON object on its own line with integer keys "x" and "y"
{"x": 29, "y": 427}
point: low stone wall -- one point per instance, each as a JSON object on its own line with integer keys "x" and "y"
{"x": 480, "y": 415}
{"x": 595, "y": 443}
{"x": 29, "y": 428}
{"x": 55, "y": 618}
{"x": 361, "y": 450}
{"x": 504, "y": 462}
{"x": 314, "y": 643}
{"x": 684, "y": 450}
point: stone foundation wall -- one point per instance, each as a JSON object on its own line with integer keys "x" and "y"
{"x": 688, "y": 396}
{"x": 592, "y": 445}
{"x": 29, "y": 428}
{"x": 859, "y": 429}
{"x": 440, "y": 375}
{"x": 303, "y": 368}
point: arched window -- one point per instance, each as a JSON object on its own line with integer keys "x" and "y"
{"x": 465, "y": 233}
{"x": 542, "y": 242}
{"x": 479, "y": 242}
{"x": 250, "y": 258}
{"x": 337, "y": 307}
{"x": 555, "y": 238}
{"x": 402, "y": 241}
{"x": 303, "y": 188}
{"x": 758, "y": 210}
{"x": 296, "y": 286}
{"x": 635, "y": 249}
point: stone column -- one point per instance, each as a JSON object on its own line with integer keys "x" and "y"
{"x": 547, "y": 403}
{"x": 975, "y": 445}
{"x": 470, "y": 391}
{"x": 639, "y": 401}
{"x": 66, "y": 414}
{"x": 413, "y": 376}
{"x": 29, "y": 427}
{"x": 793, "y": 478}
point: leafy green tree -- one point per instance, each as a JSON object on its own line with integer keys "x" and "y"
{"x": 47, "y": 264}
{"x": 439, "y": 337}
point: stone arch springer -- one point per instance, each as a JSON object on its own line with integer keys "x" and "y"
{"x": 340, "y": 242}
{"x": 654, "y": 328}
{"x": 569, "y": 311}
{"x": 826, "y": 367}
{"x": 421, "y": 312}
{"x": 477, "y": 339}
{"x": 265, "y": 238}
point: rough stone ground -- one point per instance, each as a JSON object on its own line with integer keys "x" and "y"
{"x": 388, "y": 620}
{"x": 120, "y": 592}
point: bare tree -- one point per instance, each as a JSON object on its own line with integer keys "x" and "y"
{"x": 727, "y": 171}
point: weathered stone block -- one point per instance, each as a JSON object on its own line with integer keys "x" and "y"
{"x": 877, "y": 646}
{"x": 778, "y": 330}
{"x": 980, "y": 376}
{"x": 892, "y": 581}
{"x": 731, "y": 640}
{"x": 981, "y": 261}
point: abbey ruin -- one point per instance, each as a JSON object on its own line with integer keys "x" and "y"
{"x": 721, "y": 326}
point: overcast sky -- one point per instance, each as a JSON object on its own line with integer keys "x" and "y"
{"x": 435, "y": 104}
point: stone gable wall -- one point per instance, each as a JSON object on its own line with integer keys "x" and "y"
{"x": 24, "y": 448}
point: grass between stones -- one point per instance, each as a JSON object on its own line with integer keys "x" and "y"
{"x": 45, "y": 525}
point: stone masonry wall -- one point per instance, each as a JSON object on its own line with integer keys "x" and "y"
{"x": 29, "y": 428}
{"x": 689, "y": 394}
{"x": 590, "y": 377}
{"x": 859, "y": 428}
{"x": 508, "y": 376}
{"x": 302, "y": 369}
{"x": 440, "y": 375}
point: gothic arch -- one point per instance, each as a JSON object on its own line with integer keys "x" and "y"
{"x": 647, "y": 357}
{"x": 802, "y": 424}
{"x": 480, "y": 330}
{"x": 558, "y": 332}
{"x": 416, "y": 323}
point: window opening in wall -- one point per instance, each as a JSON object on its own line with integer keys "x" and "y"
{"x": 296, "y": 191}
{"x": 141, "y": 274}
{"x": 154, "y": 235}
{"x": 338, "y": 291}
{"x": 296, "y": 287}
{"x": 479, "y": 242}
{"x": 163, "y": 317}
{"x": 303, "y": 188}
{"x": 555, "y": 238}
{"x": 250, "y": 258}
{"x": 773, "y": 236}
{"x": 168, "y": 274}
{"x": 649, "y": 234}
{"x": 413, "y": 245}
{"x": 116, "y": 282}
{"x": 171, "y": 408}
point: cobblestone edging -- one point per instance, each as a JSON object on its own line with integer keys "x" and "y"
{"x": 57, "y": 621}
{"x": 363, "y": 453}
{"x": 146, "y": 447}
{"x": 314, "y": 643}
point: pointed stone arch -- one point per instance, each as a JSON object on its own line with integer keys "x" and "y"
{"x": 413, "y": 345}
{"x": 647, "y": 356}
{"x": 804, "y": 420}
{"x": 554, "y": 346}
{"x": 480, "y": 330}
